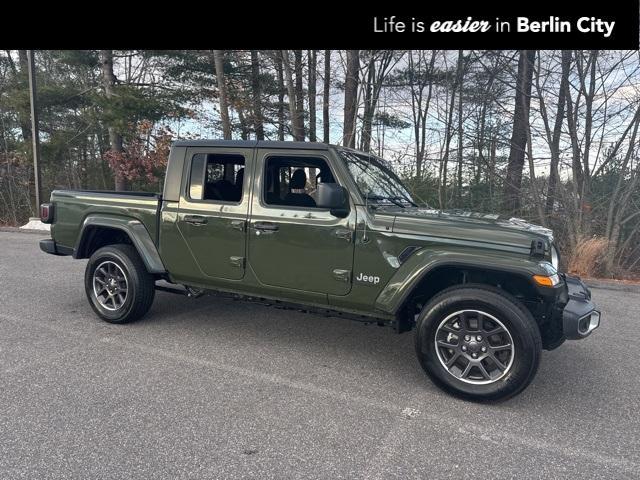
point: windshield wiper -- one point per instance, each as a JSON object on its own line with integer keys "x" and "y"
{"x": 398, "y": 197}
{"x": 392, "y": 199}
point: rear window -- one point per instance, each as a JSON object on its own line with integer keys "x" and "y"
{"x": 216, "y": 177}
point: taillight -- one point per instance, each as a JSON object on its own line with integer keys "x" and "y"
{"x": 46, "y": 213}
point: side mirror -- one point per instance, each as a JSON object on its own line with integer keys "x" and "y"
{"x": 334, "y": 197}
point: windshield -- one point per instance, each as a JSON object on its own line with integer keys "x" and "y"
{"x": 376, "y": 181}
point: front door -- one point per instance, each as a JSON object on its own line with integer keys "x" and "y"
{"x": 292, "y": 243}
{"x": 213, "y": 211}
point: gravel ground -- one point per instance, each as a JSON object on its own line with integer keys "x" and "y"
{"x": 217, "y": 388}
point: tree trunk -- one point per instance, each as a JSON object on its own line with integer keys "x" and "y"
{"x": 281, "y": 94}
{"x": 442, "y": 176}
{"x": 377, "y": 70}
{"x": 84, "y": 168}
{"x": 537, "y": 201}
{"x": 460, "y": 138}
{"x": 297, "y": 127}
{"x": 576, "y": 167}
{"x": 325, "y": 95}
{"x": 23, "y": 79}
{"x": 584, "y": 190}
{"x": 258, "y": 123}
{"x": 419, "y": 78}
{"x": 557, "y": 132}
{"x": 312, "y": 95}
{"x": 115, "y": 139}
{"x": 416, "y": 87}
{"x": 218, "y": 58}
{"x": 297, "y": 55}
{"x": 420, "y": 107}
{"x": 244, "y": 126}
{"x": 367, "y": 116}
{"x": 351, "y": 98}
{"x": 492, "y": 170}
{"x": 513, "y": 181}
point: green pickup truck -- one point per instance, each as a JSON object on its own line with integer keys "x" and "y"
{"x": 329, "y": 229}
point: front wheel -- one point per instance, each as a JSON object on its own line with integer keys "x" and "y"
{"x": 478, "y": 342}
{"x": 118, "y": 285}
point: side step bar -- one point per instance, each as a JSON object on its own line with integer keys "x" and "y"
{"x": 181, "y": 290}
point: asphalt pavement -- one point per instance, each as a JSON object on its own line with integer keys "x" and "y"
{"x": 219, "y": 388}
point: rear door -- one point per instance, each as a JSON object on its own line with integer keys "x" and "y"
{"x": 213, "y": 210}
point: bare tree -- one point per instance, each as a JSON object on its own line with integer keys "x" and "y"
{"x": 325, "y": 95}
{"x": 297, "y": 55}
{"x": 420, "y": 77}
{"x": 620, "y": 198}
{"x": 553, "y": 136}
{"x": 277, "y": 59}
{"x": 378, "y": 67}
{"x": 312, "y": 54}
{"x": 115, "y": 138}
{"x": 296, "y": 116}
{"x": 351, "y": 98}
{"x": 513, "y": 181}
{"x": 449, "y": 131}
{"x": 258, "y": 123}
{"x": 218, "y": 58}
{"x": 459, "y": 80}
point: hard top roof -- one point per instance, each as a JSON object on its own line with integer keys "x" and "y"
{"x": 251, "y": 144}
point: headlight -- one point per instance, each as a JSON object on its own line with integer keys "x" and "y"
{"x": 555, "y": 257}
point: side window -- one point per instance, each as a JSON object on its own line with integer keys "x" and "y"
{"x": 292, "y": 181}
{"x": 216, "y": 177}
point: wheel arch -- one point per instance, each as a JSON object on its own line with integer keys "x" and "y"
{"x": 428, "y": 272}
{"x": 100, "y": 230}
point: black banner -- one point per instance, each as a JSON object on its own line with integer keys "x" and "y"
{"x": 456, "y": 24}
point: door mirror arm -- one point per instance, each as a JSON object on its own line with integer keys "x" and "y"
{"x": 340, "y": 212}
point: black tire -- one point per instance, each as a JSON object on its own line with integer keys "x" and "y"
{"x": 140, "y": 284}
{"x": 489, "y": 304}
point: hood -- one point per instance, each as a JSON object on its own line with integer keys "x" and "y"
{"x": 466, "y": 226}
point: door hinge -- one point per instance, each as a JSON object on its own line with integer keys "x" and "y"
{"x": 237, "y": 261}
{"x": 342, "y": 275}
{"x": 344, "y": 234}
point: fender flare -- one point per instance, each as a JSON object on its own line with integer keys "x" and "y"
{"x": 136, "y": 231}
{"x": 425, "y": 261}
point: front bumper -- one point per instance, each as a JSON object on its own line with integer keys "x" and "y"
{"x": 580, "y": 315}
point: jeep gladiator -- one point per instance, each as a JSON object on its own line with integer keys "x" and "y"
{"x": 329, "y": 229}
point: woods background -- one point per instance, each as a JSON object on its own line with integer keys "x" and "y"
{"x": 549, "y": 136}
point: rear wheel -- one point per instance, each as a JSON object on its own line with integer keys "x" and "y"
{"x": 478, "y": 342}
{"x": 117, "y": 284}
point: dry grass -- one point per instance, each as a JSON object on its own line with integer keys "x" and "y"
{"x": 588, "y": 258}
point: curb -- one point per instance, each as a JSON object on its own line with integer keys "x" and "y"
{"x": 24, "y": 230}
{"x": 612, "y": 285}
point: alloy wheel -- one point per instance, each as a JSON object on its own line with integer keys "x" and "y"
{"x": 474, "y": 347}
{"x": 110, "y": 285}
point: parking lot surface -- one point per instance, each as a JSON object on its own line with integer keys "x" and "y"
{"x": 218, "y": 388}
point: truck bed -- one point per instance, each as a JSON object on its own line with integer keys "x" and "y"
{"x": 73, "y": 206}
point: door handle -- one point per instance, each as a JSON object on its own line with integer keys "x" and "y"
{"x": 195, "y": 219}
{"x": 344, "y": 234}
{"x": 237, "y": 225}
{"x": 266, "y": 227}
